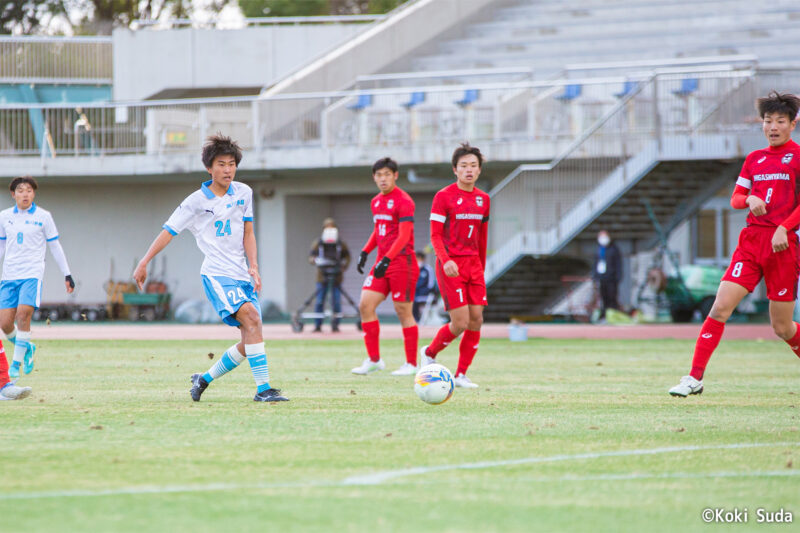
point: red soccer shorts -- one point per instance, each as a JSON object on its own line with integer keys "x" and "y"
{"x": 469, "y": 287}
{"x": 754, "y": 259}
{"x": 400, "y": 279}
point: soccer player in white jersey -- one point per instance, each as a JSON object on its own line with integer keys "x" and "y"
{"x": 25, "y": 231}
{"x": 220, "y": 216}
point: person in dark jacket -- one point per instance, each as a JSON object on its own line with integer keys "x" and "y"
{"x": 607, "y": 271}
{"x": 426, "y": 286}
{"x": 332, "y": 257}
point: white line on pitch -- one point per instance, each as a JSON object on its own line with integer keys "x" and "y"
{"x": 381, "y": 477}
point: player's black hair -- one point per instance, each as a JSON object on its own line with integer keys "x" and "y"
{"x": 23, "y": 179}
{"x": 782, "y": 104}
{"x": 385, "y": 162}
{"x": 466, "y": 149}
{"x": 217, "y": 145}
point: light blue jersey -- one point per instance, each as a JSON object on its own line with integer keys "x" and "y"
{"x": 217, "y": 224}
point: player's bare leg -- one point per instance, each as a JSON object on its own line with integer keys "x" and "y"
{"x": 367, "y": 308}
{"x": 728, "y": 297}
{"x": 405, "y": 312}
{"x": 781, "y": 316}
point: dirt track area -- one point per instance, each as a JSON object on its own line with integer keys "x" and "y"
{"x": 112, "y": 331}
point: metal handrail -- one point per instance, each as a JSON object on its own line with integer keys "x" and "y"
{"x": 575, "y": 144}
{"x": 55, "y": 39}
{"x": 458, "y": 73}
{"x": 266, "y": 21}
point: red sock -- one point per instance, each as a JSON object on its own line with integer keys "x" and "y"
{"x": 707, "y": 342}
{"x": 411, "y": 341}
{"x": 794, "y": 342}
{"x": 372, "y": 333}
{"x": 467, "y": 350}
{"x": 3, "y": 367}
{"x": 443, "y": 337}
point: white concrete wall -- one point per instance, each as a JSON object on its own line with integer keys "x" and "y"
{"x": 99, "y": 224}
{"x": 204, "y": 58}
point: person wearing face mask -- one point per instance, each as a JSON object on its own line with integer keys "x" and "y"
{"x": 607, "y": 271}
{"x": 332, "y": 257}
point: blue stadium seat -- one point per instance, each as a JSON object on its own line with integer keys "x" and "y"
{"x": 627, "y": 89}
{"x": 364, "y": 100}
{"x": 688, "y": 86}
{"x": 470, "y": 96}
{"x": 416, "y": 98}
{"x": 571, "y": 92}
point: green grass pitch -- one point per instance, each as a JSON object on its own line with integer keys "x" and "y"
{"x": 561, "y": 436}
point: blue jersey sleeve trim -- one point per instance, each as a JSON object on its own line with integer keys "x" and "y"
{"x": 406, "y": 219}
{"x": 170, "y": 230}
{"x": 248, "y": 219}
{"x": 54, "y": 238}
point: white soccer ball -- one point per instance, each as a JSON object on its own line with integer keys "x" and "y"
{"x": 434, "y": 384}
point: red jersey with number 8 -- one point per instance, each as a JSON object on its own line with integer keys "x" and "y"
{"x": 462, "y": 214}
{"x": 388, "y": 211}
{"x": 772, "y": 174}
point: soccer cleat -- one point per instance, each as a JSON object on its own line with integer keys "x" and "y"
{"x": 11, "y": 392}
{"x": 369, "y": 366}
{"x": 27, "y": 364}
{"x": 13, "y": 372}
{"x": 424, "y": 358}
{"x": 464, "y": 382}
{"x": 406, "y": 370}
{"x": 270, "y": 395}
{"x": 199, "y": 385}
{"x": 687, "y": 386}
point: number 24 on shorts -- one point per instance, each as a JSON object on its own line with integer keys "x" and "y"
{"x": 237, "y": 296}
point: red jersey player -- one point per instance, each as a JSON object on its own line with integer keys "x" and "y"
{"x": 769, "y": 186}
{"x": 395, "y": 270}
{"x": 459, "y": 220}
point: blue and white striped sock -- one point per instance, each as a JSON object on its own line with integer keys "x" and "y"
{"x": 258, "y": 364}
{"x": 229, "y": 360}
{"x": 21, "y": 346}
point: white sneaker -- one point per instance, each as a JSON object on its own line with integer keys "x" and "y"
{"x": 369, "y": 366}
{"x": 464, "y": 382}
{"x": 406, "y": 370}
{"x": 687, "y": 386}
{"x": 12, "y": 392}
{"x": 424, "y": 359}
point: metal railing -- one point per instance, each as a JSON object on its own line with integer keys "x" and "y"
{"x": 254, "y": 21}
{"x": 62, "y": 60}
{"x": 528, "y": 113}
{"x": 538, "y": 208}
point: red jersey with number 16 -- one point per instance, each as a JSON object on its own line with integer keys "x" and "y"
{"x": 463, "y": 214}
{"x": 772, "y": 174}
{"x": 388, "y": 211}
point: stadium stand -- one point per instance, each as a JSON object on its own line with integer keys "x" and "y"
{"x": 597, "y": 106}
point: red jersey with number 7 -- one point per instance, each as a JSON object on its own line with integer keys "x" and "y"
{"x": 772, "y": 174}
{"x": 463, "y": 214}
{"x": 388, "y": 211}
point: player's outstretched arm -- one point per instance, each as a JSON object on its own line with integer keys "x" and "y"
{"x": 251, "y": 252}
{"x": 61, "y": 260}
{"x": 161, "y": 242}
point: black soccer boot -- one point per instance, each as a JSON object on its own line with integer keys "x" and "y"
{"x": 198, "y": 386}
